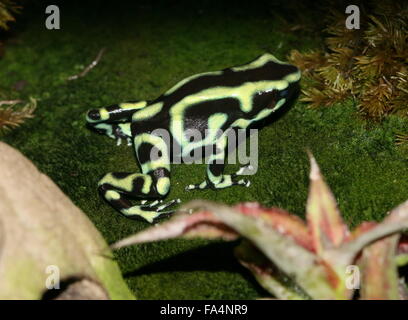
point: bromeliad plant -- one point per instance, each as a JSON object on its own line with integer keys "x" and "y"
{"x": 293, "y": 259}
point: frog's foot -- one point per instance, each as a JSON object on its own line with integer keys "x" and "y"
{"x": 114, "y": 131}
{"x": 119, "y": 141}
{"x": 150, "y": 212}
{"x": 243, "y": 170}
{"x": 224, "y": 181}
{"x": 159, "y": 205}
{"x": 118, "y": 134}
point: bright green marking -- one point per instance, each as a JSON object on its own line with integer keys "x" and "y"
{"x": 112, "y": 195}
{"x": 262, "y": 60}
{"x": 136, "y": 210}
{"x": 163, "y": 185}
{"x": 153, "y": 165}
{"x": 247, "y": 91}
{"x": 263, "y": 114}
{"x": 278, "y": 105}
{"x": 104, "y": 114}
{"x": 244, "y": 123}
{"x": 215, "y": 122}
{"x": 241, "y": 123}
{"x": 227, "y": 181}
{"x": 293, "y": 77}
{"x": 147, "y": 112}
{"x": 195, "y": 76}
{"x": 147, "y": 184}
{"x": 107, "y": 128}
{"x": 125, "y": 128}
{"x": 126, "y": 183}
{"x": 133, "y": 105}
{"x": 90, "y": 120}
{"x": 243, "y": 93}
{"x": 160, "y": 144}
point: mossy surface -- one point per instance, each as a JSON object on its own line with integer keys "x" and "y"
{"x": 148, "y": 49}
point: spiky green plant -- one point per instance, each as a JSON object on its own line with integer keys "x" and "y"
{"x": 293, "y": 259}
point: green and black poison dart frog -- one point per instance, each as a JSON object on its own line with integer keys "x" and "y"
{"x": 229, "y": 99}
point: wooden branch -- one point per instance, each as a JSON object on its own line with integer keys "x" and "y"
{"x": 10, "y": 102}
{"x": 89, "y": 67}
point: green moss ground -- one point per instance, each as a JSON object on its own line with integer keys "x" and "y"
{"x": 148, "y": 50}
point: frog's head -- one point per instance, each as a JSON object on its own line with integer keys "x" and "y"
{"x": 281, "y": 85}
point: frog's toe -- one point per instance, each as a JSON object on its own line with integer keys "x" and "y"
{"x": 150, "y": 212}
{"x": 244, "y": 170}
{"x": 190, "y": 187}
{"x": 146, "y": 204}
{"x": 119, "y": 141}
{"x": 244, "y": 182}
{"x": 140, "y": 213}
{"x": 158, "y": 205}
{"x": 201, "y": 186}
{"x": 168, "y": 204}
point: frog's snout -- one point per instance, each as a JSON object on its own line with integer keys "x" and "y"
{"x": 93, "y": 115}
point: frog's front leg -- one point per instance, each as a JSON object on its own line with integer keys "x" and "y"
{"x": 152, "y": 184}
{"x": 216, "y": 179}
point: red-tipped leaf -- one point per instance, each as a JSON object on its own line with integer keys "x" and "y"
{"x": 327, "y": 228}
{"x": 282, "y": 221}
{"x": 199, "y": 225}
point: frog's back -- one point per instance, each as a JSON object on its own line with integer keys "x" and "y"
{"x": 264, "y": 68}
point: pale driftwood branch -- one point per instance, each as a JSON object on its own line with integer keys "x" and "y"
{"x": 89, "y": 67}
{"x": 10, "y": 102}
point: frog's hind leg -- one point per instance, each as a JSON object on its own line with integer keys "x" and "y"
{"x": 152, "y": 184}
{"x": 118, "y": 187}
